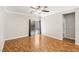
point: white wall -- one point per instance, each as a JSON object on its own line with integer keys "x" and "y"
{"x": 15, "y": 26}
{"x": 1, "y": 28}
{"x": 52, "y": 26}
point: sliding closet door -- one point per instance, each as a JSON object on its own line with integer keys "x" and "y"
{"x": 69, "y": 26}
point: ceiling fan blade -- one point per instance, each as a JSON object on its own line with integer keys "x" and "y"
{"x": 45, "y": 11}
{"x": 33, "y": 7}
{"x": 45, "y": 7}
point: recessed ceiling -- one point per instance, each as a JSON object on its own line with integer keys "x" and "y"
{"x": 52, "y": 9}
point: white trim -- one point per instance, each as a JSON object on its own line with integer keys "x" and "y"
{"x": 16, "y": 37}
{"x": 2, "y": 46}
{"x": 13, "y": 12}
{"x": 76, "y": 43}
{"x": 53, "y": 36}
{"x": 69, "y": 38}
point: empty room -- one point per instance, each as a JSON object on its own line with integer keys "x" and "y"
{"x": 39, "y": 28}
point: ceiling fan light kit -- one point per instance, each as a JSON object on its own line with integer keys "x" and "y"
{"x": 40, "y": 9}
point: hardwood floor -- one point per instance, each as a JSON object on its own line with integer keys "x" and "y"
{"x": 39, "y": 44}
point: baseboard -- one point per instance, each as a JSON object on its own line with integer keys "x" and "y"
{"x": 70, "y": 38}
{"x": 16, "y": 37}
{"x": 53, "y": 36}
{"x": 76, "y": 43}
{"x": 3, "y": 46}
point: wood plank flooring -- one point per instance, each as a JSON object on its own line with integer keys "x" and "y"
{"x": 39, "y": 44}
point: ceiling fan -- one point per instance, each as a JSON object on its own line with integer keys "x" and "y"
{"x": 41, "y": 8}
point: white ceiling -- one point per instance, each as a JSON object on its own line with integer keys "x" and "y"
{"x": 27, "y": 9}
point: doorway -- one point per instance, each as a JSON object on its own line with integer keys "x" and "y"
{"x": 34, "y": 27}
{"x": 69, "y": 27}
